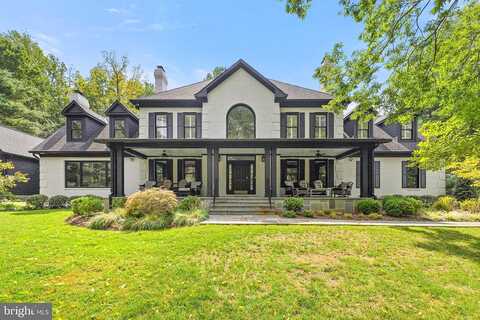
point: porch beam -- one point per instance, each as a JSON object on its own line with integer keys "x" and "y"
{"x": 135, "y": 153}
{"x": 345, "y": 154}
{"x": 366, "y": 172}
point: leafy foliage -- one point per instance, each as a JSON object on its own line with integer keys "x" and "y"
{"x": 190, "y": 203}
{"x": 427, "y": 52}
{"x": 470, "y": 205}
{"x": 87, "y": 205}
{"x": 367, "y": 206}
{"x": 8, "y": 180}
{"x": 57, "y": 202}
{"x": 215, "y": 73}
{"x": 154, "y": 201}
{"x": 148, "y": 222}
{"x": 293, "y": 204}
{"x": 37, "y": 201}
{"x": 289, "y": 214}
{"x": 103, "y": 221}
{"x": 118, "y": 202}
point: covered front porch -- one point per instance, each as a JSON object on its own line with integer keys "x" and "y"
{"x": 258, "y": 167}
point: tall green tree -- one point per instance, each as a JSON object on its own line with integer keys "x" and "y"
{"x": 420, "y": 58}
{"x": 111, "y": 80}
{"x": 33, "y": 85}
{"x": 215, "y": 73}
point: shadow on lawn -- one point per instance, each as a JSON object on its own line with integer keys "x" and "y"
{"x": 449, "y": 241}
{"x": 32, "y": 212}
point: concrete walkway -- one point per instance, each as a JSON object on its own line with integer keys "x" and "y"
{"x": 271, "y": 219}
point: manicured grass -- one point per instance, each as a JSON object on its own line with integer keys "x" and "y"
{"x": 240, "y": 272}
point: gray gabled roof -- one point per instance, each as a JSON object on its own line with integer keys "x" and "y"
{"x": 17, "y": 142}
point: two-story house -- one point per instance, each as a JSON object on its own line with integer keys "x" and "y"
{"x": 240, "y": 133}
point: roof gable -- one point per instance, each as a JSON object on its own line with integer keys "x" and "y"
{"x": 75, "y": 109}
{"x": 117, "y": 108}
{"x": 278, "y": 93}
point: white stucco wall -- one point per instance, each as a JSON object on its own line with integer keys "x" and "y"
{"x": 391, "y": 178}
{"x": 52, "y": 176}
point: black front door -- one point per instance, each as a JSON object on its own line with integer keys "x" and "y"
{"x": 241, "y": 177}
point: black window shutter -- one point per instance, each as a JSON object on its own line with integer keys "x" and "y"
{"x": 283, "y": 171}
{"x": 180, "y": 125}
{"x": 198, "y": 169}
{"x": 370, "y": 129}
{"x": 357, "y": 174}
{"x": 301, "y": 125}
{"x": 170, "y": 125}
{"x": 180, "y": 174}
{"x": 312, "y": 125}
{"x": 169, "y": 173}
{"x": 331, "y": 124}
{"x": 377, "y": 174}
{"x": 198, "y": 119}
{"x": 404, "y": 174}
{"x": 283, "y": 125}
{"x": 151, "y": 170}
{"x": 423, "y": 178}
{"x": 330, "y": 173}
{"x": 301, "y": 169}
{"x": 151, "y": 125}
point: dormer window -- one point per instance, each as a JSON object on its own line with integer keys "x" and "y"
{"x": 76, "y": 129}
{"x": 406, "y": 131}
{"x": 119, "y": 128}
{"x": 362, "y": 129}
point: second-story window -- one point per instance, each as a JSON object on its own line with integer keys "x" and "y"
{"x": 76, "y": 129}
{"x": 119, "y": 129}
{"x": 362, "y": 129}
{"x": 161, "y": 126}
{"x": 320, "y": 126}
{"x": 407, "y": 131}
{"x": 190, "y": 126}
{"x": 292, "y": 126}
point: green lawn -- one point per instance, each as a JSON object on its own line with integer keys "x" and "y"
{"x": 240, "y": 272}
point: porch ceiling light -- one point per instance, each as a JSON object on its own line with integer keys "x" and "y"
{"x": 164, "y": 154}
{"x": 318, "y": 154}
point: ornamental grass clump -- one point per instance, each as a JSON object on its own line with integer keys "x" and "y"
{"x": 470, "y": 205}
{"x": 111, "y": 220}
{"x": 154, "y": 201}
{"x": 189, "y": 218}
{"x": 445, "y": 203}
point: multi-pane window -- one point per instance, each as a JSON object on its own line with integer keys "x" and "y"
{"x": 161, "y": 126}
{"x": 292, "y": 126}
{"x": 190, "y": 126}
{"x": 407, "y": 131}
{"x": 161, "y": 171}
{"x": 119, "y": 129}
{"x": 362, "y": 129}
{"x": 190, "y": 170}
{"x": 87, "y": 174}
{"x": 320, "y": 126}
{"x": 76, "y": 129}
{"x": 240, "y": 123}
{"x": 292, "y": 170}
{"x": 413, "y": 179}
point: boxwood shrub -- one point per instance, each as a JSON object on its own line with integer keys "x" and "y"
{"x": 37, "y": 201}
{"x": 190, "y": 203}
{"x": 399, "y": 206}
{"x": 293, "y": 204}
{"x": 85, "y": 206}
{"x": 367, "y": 206}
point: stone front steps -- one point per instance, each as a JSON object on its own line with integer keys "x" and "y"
{"x": 240, "y": 205}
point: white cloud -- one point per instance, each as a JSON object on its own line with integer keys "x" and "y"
{"x": 48, "y": 43}
{"x": 131, "y": 21}
{"x": 115, "y": 10}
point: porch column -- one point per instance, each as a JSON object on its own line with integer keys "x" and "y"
{"x": 212, "y": 171}
{"x": 270, "y": 171}
{"x": 117, "y": 170}
{"x": 366, "y": 171}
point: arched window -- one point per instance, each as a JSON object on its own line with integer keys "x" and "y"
{"x": 240, "y": 123}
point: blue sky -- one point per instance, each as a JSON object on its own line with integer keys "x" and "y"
{"x": 188, "y": 38}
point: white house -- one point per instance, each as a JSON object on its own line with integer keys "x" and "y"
{"x": 238, "y": 134}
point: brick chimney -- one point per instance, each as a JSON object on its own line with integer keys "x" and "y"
{"x": 161, "y": 81}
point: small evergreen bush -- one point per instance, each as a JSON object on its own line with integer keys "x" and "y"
{"x": 470, "y": 205}
{"x": 399, "y": 206}
{"x": 57, "y": 202}
{"x": 308, "y": 214}
{"x": 289, "y": 214}
{"x": 154, "y": 201}
{"x": 367, "y": 206}
{"x": 118, "y": 202}
{"x": 445, "y": 203}
{"x": 293, "y": 204}
{"x": 37, "y": 201}
{"x": 85, "y": 206}
{"x": 190, "y": 203}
